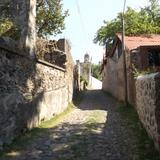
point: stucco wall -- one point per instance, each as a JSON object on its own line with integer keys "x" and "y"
{"x": 31, "y": 91}
{"x": 148, "y": 104}
{"x": 131, "y": 58}
{"x": 113, "y": 78}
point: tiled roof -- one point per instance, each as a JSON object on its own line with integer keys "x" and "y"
{"x": 133, "y": 42}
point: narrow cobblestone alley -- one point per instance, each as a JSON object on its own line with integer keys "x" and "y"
{"x": 92, "y": 131}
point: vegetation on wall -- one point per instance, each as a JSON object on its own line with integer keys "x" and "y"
{"x": 145, "y": 21}
{"x": 139, "y": 72}
{"x": 7, "y": 26}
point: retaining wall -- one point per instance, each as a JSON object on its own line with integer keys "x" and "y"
{"x": 31, "y": 91}
{"x": 148, "y": 104}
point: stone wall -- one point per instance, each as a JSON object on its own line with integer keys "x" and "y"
{"x": 49, "y": 51}
{"x": 31, "y": 91}
{"x": 148, "y": 104}
{"x": 64, "y": 45}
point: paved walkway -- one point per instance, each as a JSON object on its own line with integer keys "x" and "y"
{"x": 95, "y": 83}
{"x": 93, "y": 131}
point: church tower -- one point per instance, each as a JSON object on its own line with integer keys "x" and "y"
{"x": 86, "y": 58}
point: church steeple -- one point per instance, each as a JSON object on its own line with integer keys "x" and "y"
{"x": 86, "y": 58}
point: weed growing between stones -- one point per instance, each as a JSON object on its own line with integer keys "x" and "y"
{"x": 27, "y": 138}
{"x": 146, "y": 149}
{"x": 78, "y": 97}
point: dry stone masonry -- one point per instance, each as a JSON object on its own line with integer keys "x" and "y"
{"x": 51, "y": 51}
{"x": 148, "y": 104}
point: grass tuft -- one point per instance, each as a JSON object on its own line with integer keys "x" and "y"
{"x": 146, "y": 149}
{"x": 22, "y": 140}
{"x": 57, "y": 118}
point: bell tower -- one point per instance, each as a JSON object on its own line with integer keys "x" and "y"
{"x": 86, "y": 58}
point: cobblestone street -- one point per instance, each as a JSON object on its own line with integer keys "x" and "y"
{"x": 92, "y": 131}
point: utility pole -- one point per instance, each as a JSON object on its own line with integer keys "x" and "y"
{"x": 124, "y": 54}
{"x": 91, "y": 71}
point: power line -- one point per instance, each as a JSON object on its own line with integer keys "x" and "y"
{"x": 83, "y": 29}
{"x": 124, "y": 54}
{"x": 81, "y": 21}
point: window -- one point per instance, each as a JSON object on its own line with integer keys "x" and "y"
{"x": 119, "y": 50}
{"x": 154, "y": 57}
{"x": 115, "y": 55}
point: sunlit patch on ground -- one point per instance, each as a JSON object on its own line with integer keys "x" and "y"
{"x": 94, "y": 130}
{"x": 13, "y": 154}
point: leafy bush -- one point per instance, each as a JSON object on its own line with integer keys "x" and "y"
{"x": 96, "y": 69}
{"x": 137, "y": 72}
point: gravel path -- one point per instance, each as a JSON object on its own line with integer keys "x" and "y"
{"x": 93, "y": 131}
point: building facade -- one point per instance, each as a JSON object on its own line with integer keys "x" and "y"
{"x": 141, "y": 53}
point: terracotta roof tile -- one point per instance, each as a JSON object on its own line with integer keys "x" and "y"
{"x": 133, "y": 42}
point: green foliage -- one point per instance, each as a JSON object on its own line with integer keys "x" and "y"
{"x": 96, "y": 69}
{"x": 57, "y": 118}
{"x": 5, "y": 25}
{"x": 50, "y": 17}
{"x": 145, "y": 147}
{"x": 138, "y": 72}
{"x": 30, "y": 135}
{"x": 8, "y": 29}
{"x": 5, "y": 19}
{"x": 82, "y": 79}
{"x": 145, "y": 21}
{"x": 107, "y": 30}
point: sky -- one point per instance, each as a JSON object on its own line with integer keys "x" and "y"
{"x": 85, "y": 18}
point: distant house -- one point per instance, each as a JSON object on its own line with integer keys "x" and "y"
{"x": 140, "y": 51}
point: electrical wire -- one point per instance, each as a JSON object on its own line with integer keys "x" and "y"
{"x": 81, "y": 22}
{"x": 84, "y": 30}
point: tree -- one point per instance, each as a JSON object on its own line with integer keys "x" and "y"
{"x": 152, "y": 11}
{"x": 107, "y": 31}
{"x": 5, "y": 22}
{"x": 96, "y": 69}
{"x": 50, "y": 17}
{"x": 145, "y": 21}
